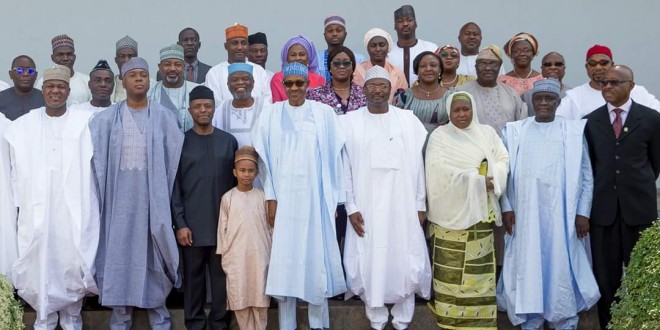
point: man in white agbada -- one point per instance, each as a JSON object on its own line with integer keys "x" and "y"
{"x": 470, "y": 39}
{"x": 8, "y": 248}
{"x": 385, "y": 254}
{"x": 101, "y": 84}
{"x": 238, "y": 115}
{"x": 408, "y": 46}
{"x": 173, "y": 91}
{"x": 58, "y": 223}
{"x": 547, "y": 274}
{"x": 236, "y": 44}
{"x": 299, "y": 144}
{"x": 582, "y": 100}
{"x": 64, "y": 53}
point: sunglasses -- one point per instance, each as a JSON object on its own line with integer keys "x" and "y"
{"x": 445, "y": 55}
{"x": 613, "y": 83}
{"x": 593, "y": 63}
{"x": 290, "y": 83}
{"x": 20, "y": 70}
{"x": 346, "y": 64}
{"x": 550, "y": 64}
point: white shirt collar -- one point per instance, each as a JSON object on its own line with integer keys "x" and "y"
{"x": 625, "y": 107}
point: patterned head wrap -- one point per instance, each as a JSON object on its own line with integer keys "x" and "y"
{"x": 126, "y": 42}
{"x": 58, "y": 72}
{"x": 236, "y": 31}
{"x": 548, "y": 85}
{"x": 294, "y": 68}
{"x": 522, "y": 36}
{"x": 246, "y": 153}
{"x": 309, "y": 47}
{"x": 62, "y": 40}
{"x": 491, "y": 52}
{"x": 377, "y": 71}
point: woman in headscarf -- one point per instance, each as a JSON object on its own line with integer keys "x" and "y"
{"x": 426, "y": 97}
{"x": 297, "y": 49}
{"x": 341, "y": 93}
{"x": 466, "y": 171}
{"x": 378, "y": 44}
{"x": 451, "y": 58}
{"x": 521, "y": 49}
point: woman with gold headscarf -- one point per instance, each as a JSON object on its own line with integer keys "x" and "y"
{"x": 521, "y": 49}
{"x": 466, "y": 171}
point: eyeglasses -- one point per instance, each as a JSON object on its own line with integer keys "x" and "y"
{"x": 593, "y": 63}
{"x": 20, "y": 70}
{"x": 491, "y": 65}
{"x": 346, "y": 64}
{"x": 613, "y": 83}
{"x": 445, "y": 55}
{"x": 373, "y": 88}
{"x": 550, "y": 64}
{"x": 290, "y": 83}
{"x": 523, "y": 51}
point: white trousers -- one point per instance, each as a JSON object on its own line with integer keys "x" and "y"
{"x": 69, "y": 318}
{"x": 536, "y": 323}
{"x": 319, "y": 316}
{"x": 402, "y": 314}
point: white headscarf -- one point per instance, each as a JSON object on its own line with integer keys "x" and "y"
{"x": 456, "y": 192}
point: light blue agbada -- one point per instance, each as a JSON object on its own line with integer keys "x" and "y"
{"x": 547, "y": 270}
{"x": 300, "y": 153}
{"x": 137, "y": 259}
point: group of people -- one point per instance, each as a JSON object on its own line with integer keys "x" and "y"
{"x": 529, "y": 195}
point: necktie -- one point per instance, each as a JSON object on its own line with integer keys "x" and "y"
{"x": 190, "y": 74}
{"x": 618, "y": 123}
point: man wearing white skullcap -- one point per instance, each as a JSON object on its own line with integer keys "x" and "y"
{"x": 385, "y": 255}
{"x": 58, "y": 222}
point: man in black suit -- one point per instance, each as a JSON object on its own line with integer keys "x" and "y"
{"x": 194, "y": 70}
{"x": 624, "y": 145}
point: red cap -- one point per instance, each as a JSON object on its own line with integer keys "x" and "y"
{"x": 599, "y": 49}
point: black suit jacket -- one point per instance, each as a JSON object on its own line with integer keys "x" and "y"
{"x": 625, "y": 169}
{"x": 202, "y": 70}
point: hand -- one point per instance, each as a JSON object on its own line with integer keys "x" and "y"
{"x": 271, "y": 207}
{"x": 184, "y": 237}
{"x": 509, "y": 219}
{"x": 358, "y": 223}
{"x": 422, "y": 217}
{"x": 489, "y": 183}
{"x": 581, "y": 226}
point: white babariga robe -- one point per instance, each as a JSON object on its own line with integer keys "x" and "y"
{"x": 467, "y": 66}
{"x": 395, "y": 57}
{"x": 216, "y": 80}
{"x": 78, "y": 83}
{"x": 582, "y": 100}
{"x": 238, "y": 121}
{"x": 300, "y": 166}
{"x": 175, "y": 99}
{"x": 547, "y": 270}
{"x": 58, "y": 222}
{"x": 8, "y": 247}
{"x": 87, "y": 106}
{"x": 384, "y": 173}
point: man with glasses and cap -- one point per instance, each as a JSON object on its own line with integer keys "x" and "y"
{"x": 299, "y": 144}
{"x": 582, "y": 100}
{"x": 50, "y": 152}
{"x": 408, "y": 46}
{"x": 23, "y": 97}
{"x": 137, "y": 144}
{"x": 385, "y": 254}
{"x": 547, "y": 274}
{"x": 173, "y": 91}
{"x": 101, "y": 84}
{"x": 64, "y": 53}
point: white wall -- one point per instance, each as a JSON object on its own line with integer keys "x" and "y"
{"x": 569, "y": 26}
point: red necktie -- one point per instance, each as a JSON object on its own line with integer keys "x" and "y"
{"x": 191, "y": 73}
{"x": 617, "y": 124}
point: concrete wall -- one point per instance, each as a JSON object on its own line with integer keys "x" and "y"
{"x": 629, "y": 27}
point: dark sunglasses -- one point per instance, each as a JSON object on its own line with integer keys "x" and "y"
{"x": 550, "y": 64}
{"x": 20, "y": 70}
{"x": 613, "y": 83}
{"x": 298, "y": 83}
{"x": 346, "y": 64}
{"x": 593, "y": 63}
{"x": 445, "y": 55}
